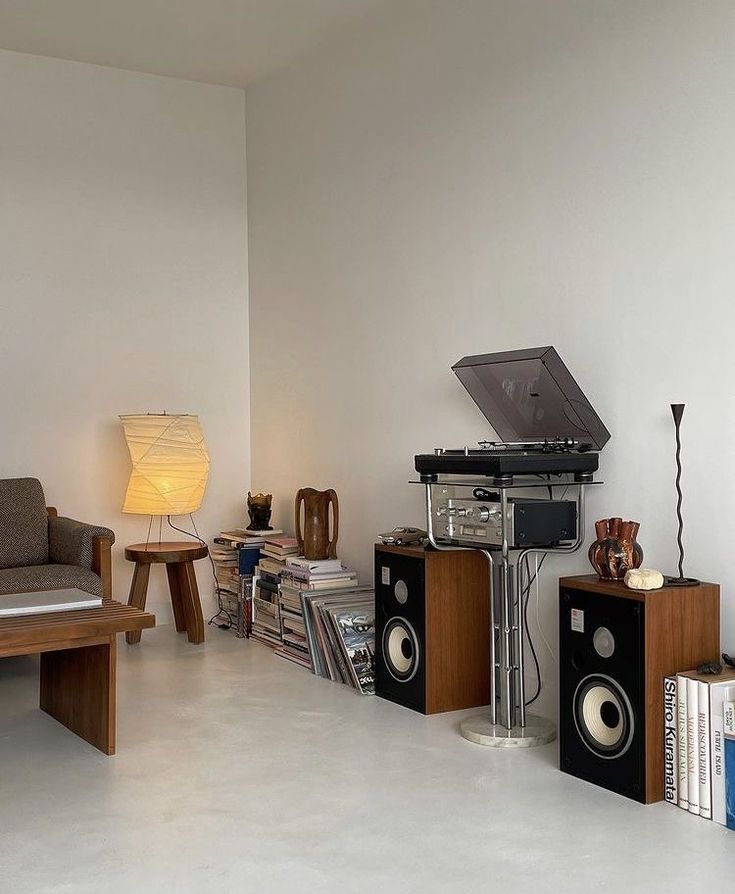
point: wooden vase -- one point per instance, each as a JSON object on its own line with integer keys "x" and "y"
{"x": 314, "y": 540}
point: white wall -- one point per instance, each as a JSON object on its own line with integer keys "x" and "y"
{"x": 484, "y": 176}
{"x": 123, "y": 284}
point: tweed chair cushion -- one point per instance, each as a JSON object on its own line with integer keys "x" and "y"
{"x": 23, "y": 523}
{"x": 32, "y": 578}
{"x": 70, "y": 542}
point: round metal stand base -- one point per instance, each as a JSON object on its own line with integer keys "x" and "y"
{"x": 479, "y": 729}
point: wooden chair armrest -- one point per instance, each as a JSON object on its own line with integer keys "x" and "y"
{"x": 102, "y": 564}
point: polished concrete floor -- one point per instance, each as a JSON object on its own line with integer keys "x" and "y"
{"x": 238, "y": 772}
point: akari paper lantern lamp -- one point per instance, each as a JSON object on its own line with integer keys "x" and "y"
{"x": 169, "y": 475}
{"x": 170, "y": 464}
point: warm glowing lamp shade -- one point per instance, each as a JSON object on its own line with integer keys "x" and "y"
{"x": 170, "y": 464}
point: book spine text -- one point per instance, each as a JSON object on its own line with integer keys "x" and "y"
{"x": 671, "y": 764}
{"x": 681, "y": 729}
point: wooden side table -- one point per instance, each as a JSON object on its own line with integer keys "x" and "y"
{"x": 178, "y": 559}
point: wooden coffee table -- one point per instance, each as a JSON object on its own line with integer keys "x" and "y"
{"x": 78, "y": 663}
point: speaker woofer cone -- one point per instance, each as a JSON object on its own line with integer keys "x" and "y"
{"x": 400, "y": 649}
{"x": 603, "y": 716}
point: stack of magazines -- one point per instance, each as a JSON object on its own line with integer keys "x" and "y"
{"x": 300, "y": 575}
{"x": 340, "y": 632}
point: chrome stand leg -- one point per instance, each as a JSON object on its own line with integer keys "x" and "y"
{"x": 493, "y": 625}
{"x": 506, "y": 656}
{"x": 520, "y": 632}
{"x": 506, "y": 638}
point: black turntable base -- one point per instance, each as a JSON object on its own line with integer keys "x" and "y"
{"x": 503, "y": 464}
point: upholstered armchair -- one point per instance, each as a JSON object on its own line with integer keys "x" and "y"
{"x": 40, "y": 550}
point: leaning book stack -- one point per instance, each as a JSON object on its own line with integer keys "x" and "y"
{"x": 340, "y": 631}
{"x": 697, "y": 773}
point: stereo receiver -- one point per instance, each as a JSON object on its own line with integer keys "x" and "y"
{"x": 529, "y": 522}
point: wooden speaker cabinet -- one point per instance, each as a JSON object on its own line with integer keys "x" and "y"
{"x": 615, "y": 647}
{"x": 432, "y": 628}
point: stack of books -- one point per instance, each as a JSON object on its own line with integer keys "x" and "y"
{"x": 274, "y": 552}
{"x": 244, "y": 535}
{"x": 226, "y": 558}
{"x": 235, "y": 554}
{"x": 340, "y": 631}
{"x": 294, "y": 645}
{"x": 322, "y": 574}
{"x": 266, "y": 625}
{"x": 266, "y": 621}
{"x": 299, "y": 576}
{"x": 699, "y": 744}
{"x": 280, "y": 548}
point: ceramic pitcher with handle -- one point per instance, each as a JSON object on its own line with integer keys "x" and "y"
{"x": 314, "y": 538}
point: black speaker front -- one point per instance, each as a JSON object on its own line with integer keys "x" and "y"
{"x": 400, "y": 612}
{"x": 601, "y": 690}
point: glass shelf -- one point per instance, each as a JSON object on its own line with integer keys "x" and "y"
{"x": 562, "y": 480}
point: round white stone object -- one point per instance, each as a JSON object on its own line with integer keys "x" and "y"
{"x": 644, "y": 579}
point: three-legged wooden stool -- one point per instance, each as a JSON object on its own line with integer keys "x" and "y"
{"x": 182, "y": 582}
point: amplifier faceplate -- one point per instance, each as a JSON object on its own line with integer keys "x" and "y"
{"x": 530, "y": 522}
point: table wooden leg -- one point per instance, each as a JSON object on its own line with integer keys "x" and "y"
{"x": 174, "y": 585}
{"x": 138, "y": 592}
{"x": 190, "y": 602}
{"x": 78, "y": 690}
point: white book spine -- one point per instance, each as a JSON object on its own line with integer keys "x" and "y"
{"x": 718, "y": 695}
{"x": 705, "y": 781}
{"x": 728, "y": 719}
{"x": 671, "y": 763}
{"x": 692, "y": 747}
{"x": 681, "y": 729}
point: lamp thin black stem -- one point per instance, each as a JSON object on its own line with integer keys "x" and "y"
{"x": 678, "y": 503}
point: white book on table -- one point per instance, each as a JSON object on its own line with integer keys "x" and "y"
{"x": 15, "y": 604}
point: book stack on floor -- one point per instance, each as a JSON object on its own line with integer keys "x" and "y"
{"x": 225, "y": 554}
{"x": 699, "y": 744}
{"x": 266, "y": 604}
{"x": 340, "y": 631}
{"x": 235, "y": 554}
{"x": 278, "y": 549}
{"x": 299, "y": 576}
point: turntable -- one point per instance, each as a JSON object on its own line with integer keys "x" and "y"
{"x": 476, "y": 497}
{"x": 545, "y": 423}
